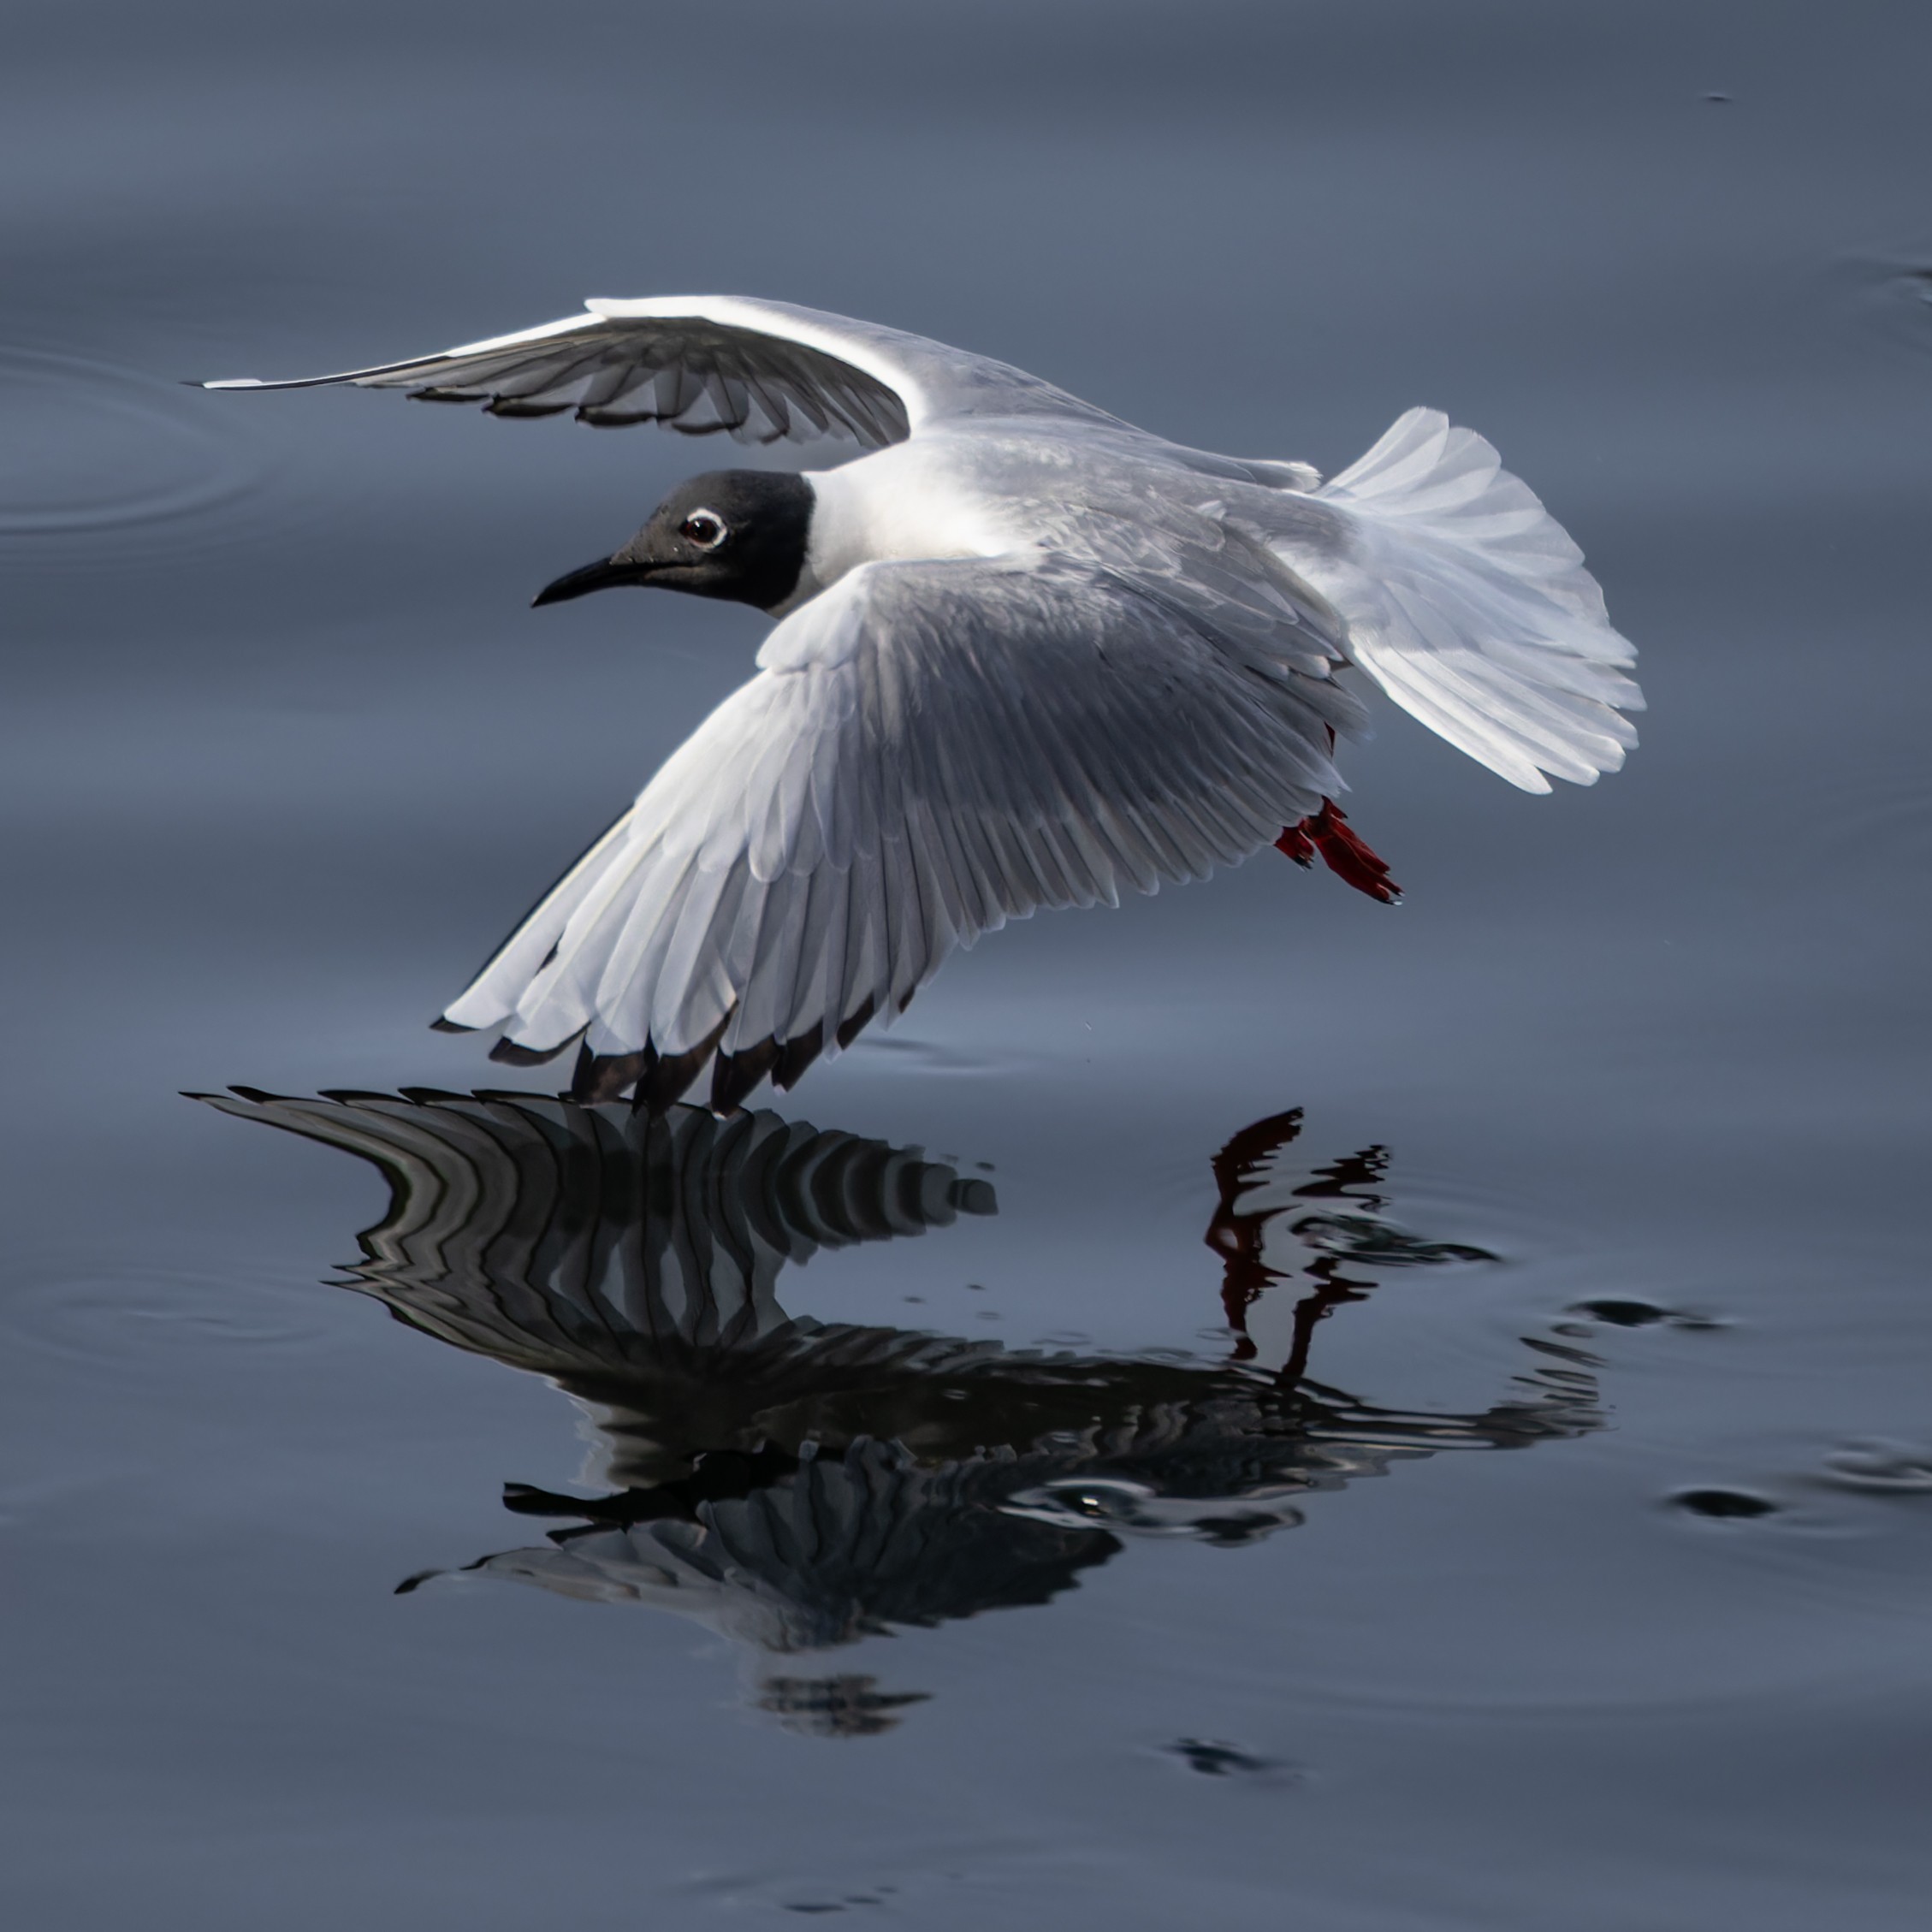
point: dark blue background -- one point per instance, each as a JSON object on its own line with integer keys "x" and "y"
{"x": 285, "y": 751}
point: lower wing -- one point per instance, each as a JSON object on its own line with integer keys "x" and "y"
{"x": 928, "y": 750}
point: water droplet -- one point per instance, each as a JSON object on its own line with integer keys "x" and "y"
{"x": 1621, "y": 1314}
{"x": 1212, "y": 1757}
{"x": 1626, "y": 1312}
{"x": 1739, "y": 1505}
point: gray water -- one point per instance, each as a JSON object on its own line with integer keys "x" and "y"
{"x": 906, "y": 1530}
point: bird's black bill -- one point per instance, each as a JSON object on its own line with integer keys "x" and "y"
{"x": 603, "y": 575}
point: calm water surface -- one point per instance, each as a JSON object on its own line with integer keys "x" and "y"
{"x": 1249, "y": 1411}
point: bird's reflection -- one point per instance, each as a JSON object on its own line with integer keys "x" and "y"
{"x": 798, "y": 1484}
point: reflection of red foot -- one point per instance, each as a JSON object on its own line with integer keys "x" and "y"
{"x": 1344, "y": 855}
{"x": 1236, "y": 1237}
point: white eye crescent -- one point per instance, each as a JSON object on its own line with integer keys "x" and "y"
{"x": 704, "y": 528}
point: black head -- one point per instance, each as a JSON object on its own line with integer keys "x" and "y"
{"x": 739, "y": 534}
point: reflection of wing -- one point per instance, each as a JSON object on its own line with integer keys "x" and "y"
{"x": 758, "y": 371}
{"x": 843, "y": 1546}
{"x": 929, "y": 750}
{"x": 1013, "y": 1474}
{"x": 572, "y": 1240}
{"x": 799, "y": 1486}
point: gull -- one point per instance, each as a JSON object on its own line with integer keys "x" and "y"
{"x": 1027, "y": 655}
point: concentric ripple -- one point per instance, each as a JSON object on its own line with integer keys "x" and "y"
{"x": 92, "y": 447}
{"x": 147, "y": 1319}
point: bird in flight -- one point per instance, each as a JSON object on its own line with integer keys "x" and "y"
{"x": 1027, "y": 655}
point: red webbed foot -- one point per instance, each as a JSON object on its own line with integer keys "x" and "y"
{"x": 1328, "y": 834}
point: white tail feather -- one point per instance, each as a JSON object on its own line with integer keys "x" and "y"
{"x": 1469, "y": 604}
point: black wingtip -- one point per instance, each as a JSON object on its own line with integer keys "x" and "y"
{"x": 856, "y": 1023}
{"x": 440, "y": 1025}
{"x": 608, "y": 1076}
{"x": 734, "y": 1075}
{"x": 507, "y": 1053}
{"x": 796, "y": 1057}
{"x": 667, "y": 1077}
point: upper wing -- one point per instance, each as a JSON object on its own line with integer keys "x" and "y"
{"x": 759, "y": 371}
{"x": 929, "y": 750}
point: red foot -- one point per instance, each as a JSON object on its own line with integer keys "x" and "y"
{"x": 1344, "y": 855}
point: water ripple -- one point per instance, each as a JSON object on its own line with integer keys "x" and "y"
{"x": 150, "y": 1318}
{"x": 1890, "y": 293}
{"x": 1880, "y": 1467}
{"x": 1874, "y": 832}
{"x": 93, "y": 446}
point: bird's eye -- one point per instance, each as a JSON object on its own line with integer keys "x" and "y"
{"x": 704, "y": 528}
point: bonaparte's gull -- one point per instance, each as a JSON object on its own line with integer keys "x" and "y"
{"x": 1028, "y": 655}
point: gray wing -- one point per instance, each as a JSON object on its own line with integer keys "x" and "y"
{"x": 930, "y": 750}
{"x": 757, "y": 371}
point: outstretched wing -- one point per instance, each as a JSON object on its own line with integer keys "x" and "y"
{"x": 928, "y": 750}
{"x": 757, "y": 370}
